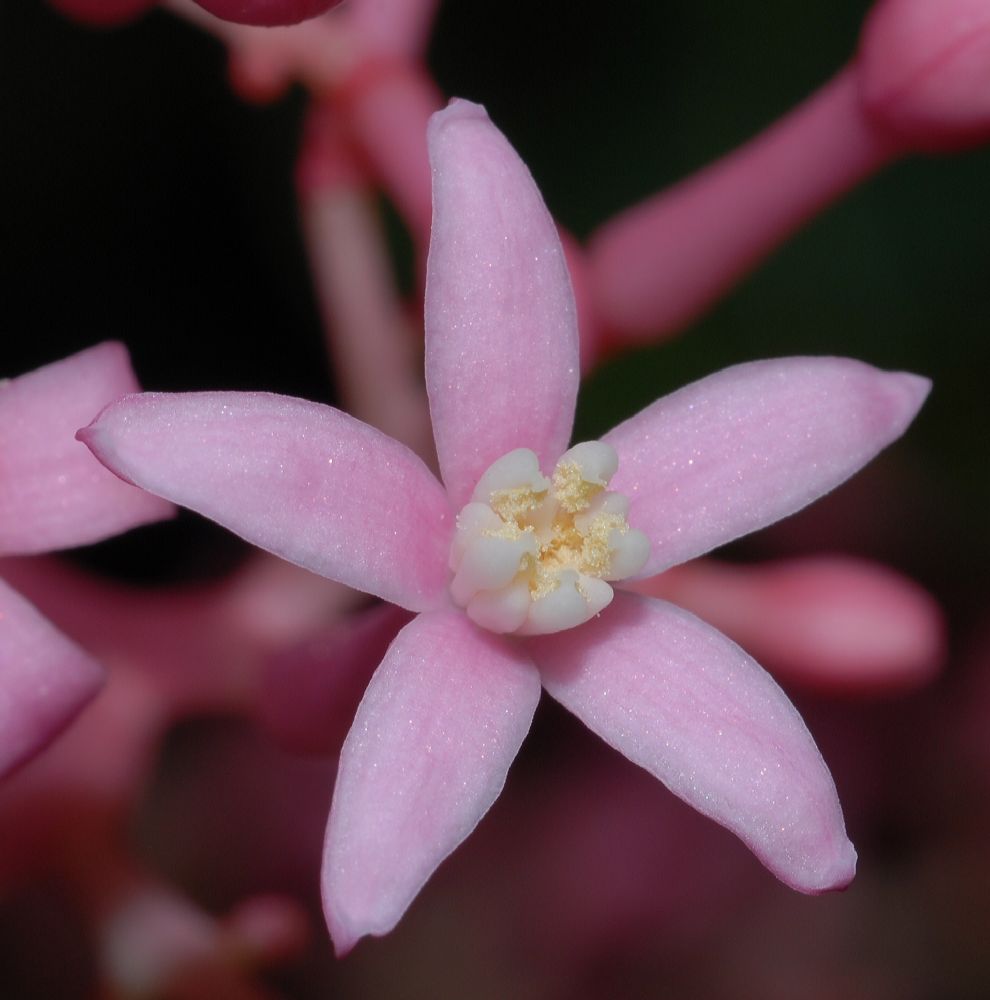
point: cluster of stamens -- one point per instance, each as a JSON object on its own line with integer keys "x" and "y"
{"x": 532, "y": 555}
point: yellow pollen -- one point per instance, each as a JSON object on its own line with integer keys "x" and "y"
{"x": 534, "y": 555}
{"x": 513, "y": 504}
{"x": 542, "y": 580}
{"x": 567, "y": 546}
{"x": 508, "y": 529}
{"x": 595, "y": 551}
{"x": 573, "y": 493}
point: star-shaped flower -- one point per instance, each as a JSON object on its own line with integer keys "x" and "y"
{"x": 510, "y": 563}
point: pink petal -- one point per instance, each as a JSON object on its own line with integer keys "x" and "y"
{"x": 501, "y": 328}
{"x": 681, "y": 700}
{"x": 52, "y": 494}
{"x": 427, "y": 755}
{"x": 302, "y": 480}
{"x": 44, "y": 680}
{"x": 749, "y": 445}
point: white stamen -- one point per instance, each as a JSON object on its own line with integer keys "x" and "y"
{"x": 502, "y": 610}
{"x": 489, "y": 563}
{"x": 597, "y": 461}
{"x": 517, "y": 470}
{"x": 629, "y": 551}
{"x": 532, "y": 555}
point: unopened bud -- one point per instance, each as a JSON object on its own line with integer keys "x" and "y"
{"x": 266, "y": 13}
{"x": 924, "y": 70}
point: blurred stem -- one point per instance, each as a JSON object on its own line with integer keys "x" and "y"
{"x": 368, "y": 333}
{"x": 657, "y": 266}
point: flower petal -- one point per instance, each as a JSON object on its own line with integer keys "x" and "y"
{"x": 501, "y": 327}
{"x": 45, "y": 679}
{"x": 427, "y": 755}
{"x": 300, "y": 479}
{"x": 751, "y": 444}
{"x": 681, "y": 700}
{"x": 52, "y": 494}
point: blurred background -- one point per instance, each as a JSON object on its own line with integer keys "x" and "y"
{"x": 143, "y": 201}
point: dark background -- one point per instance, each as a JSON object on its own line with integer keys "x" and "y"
{"x": 140, "y": 200}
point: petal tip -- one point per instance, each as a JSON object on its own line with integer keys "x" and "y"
{"x": 87, "y": 435}
{"x": 343, "y": 944}
{"x": 346, "y": 933}
{"x": 903, "y": 394}
{"x": 844, "y": 870}
{"x": 457, "y": 111}
{"x": 836, "y": 875}
{"x": 458, "y": 108}
{"x": 914, "y": 389}
{"x": 96, "y": 438}
{"x": 114, "y": 350}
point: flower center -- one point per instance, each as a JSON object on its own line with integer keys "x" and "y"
{"x": 532, "y": 555}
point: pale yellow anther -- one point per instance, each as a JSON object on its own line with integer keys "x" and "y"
{"x": 532, "y": 555}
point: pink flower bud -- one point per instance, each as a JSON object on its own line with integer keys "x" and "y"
{"x": 925, "y": 71}
{"x": 266, "y": 13}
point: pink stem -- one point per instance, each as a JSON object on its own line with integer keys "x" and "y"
{"x": 368, "y": 331}
{"x": 660, "y": 264}
{"x": 388, "y": 103}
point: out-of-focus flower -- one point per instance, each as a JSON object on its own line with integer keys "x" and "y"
{"x": 445, "y": 713}
{"x": 53, "y": 496}
{"x": 254, "y": 12}
{"x": 66, "y": 813}
{"x": 827, "y": 623}
{"x": 267, "y": 13}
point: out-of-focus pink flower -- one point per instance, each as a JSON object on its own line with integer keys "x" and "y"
{"x": 64, "y": 814}
{"x": 266, "y": 13}
{"x": 828, "y": 623}
{"x": 45, "y": 679}
{"x": 924, "y": 71}
{"x": 447, "y": 709}
{"x": 52, "y": 495}
{"x": 204, "y": 648}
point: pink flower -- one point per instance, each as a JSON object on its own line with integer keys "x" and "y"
{"x": 54, "y": 496}
{"x": 532, "y": 558}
